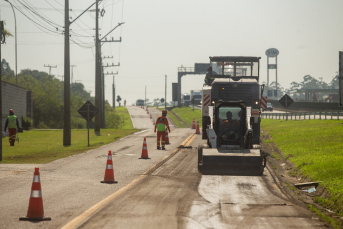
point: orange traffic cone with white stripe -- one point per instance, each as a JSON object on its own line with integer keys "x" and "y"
{"x": 193, "y": 123}
{"x": 144, "y": 154}
{"x": 197, "y": 131}
{"x": 109, "y": 174}
{"x": 166, "y": 138}
{"x": 35, "y": 211}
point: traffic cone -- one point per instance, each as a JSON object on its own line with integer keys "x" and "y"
{"x": 193, "y": 123}
{"x": 144, "y": 151}
{"x": 109, "y": 174}
{"x": 35, "y": 211}
{"x": 167, "y": 138}
{"x": 197, "y": 131}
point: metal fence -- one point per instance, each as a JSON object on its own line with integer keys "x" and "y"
{"x": 331, "y": 115}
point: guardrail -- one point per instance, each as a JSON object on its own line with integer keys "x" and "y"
{"x": 331, "y": 115}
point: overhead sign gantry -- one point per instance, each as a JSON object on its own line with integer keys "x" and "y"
{"x": 199, "y": 68}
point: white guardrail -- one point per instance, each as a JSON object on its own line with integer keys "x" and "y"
{"x": 321, "y": 115}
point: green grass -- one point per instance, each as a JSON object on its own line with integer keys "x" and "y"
{"x": 175, "y": 120}
{"x": 43, "y": 146}
{"x": 315, "y": 147}
{"x": 122, "y": 111}
{"x": 187, "y": 114}
{"x": 327, "y": 219}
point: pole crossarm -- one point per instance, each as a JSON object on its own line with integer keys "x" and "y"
{"x": 113, "y": 65}
{"x": 84, "y": 11}
{"x": 112, "y": 73}
{"x": 112, "y": 40}
{"x": 119, "y": 24}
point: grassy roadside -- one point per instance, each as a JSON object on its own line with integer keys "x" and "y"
{"x": 187, "y": 114}
{"x": 43, "y": 146}
{"x": 122, "y": 111}
{"x": 315, "y": 148}
{"x": 175, "y": 120}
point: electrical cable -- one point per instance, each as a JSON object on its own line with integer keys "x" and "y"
{"x": 37, "y": 24}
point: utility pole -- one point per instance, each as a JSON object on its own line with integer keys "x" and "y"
{"x": 66, "y": 108}
{"x": 103, "y": 76}
{"x": 165, "y": 93}
{"x": 113, "y": 88}
{"x": 72, "y": 68}
{"x": 145, "y": 97}
{"x": 97, "y": 72}
{"x": 2, "y": 40}
{"x": 15, "y": 40}
{"x": 49, "y": 66}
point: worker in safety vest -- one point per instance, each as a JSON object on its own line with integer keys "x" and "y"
{"x": 13, "y": 124}
{"x": 161, "y": 124}
{"x": 210, "y": 76}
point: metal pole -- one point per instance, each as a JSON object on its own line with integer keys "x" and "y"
{"x": 67, "y": 122}
{"x": 1, "y": 30}
{"x": 113, "y": 96}
{"x": 276, "y": 75}
{"x": 15, "y": 34}
{"x": 268, "y": 71}
{"x": 97, "y": 73}
{"x": 165, "y": 93}
{"x": 88, "y": 122}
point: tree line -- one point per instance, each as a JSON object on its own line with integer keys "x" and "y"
{"x": 308, "y": 82}
{"x": 47, "y": 97}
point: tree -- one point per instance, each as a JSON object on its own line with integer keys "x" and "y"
{"x": 6, "y": 71}
{"x": 334, "y": 84}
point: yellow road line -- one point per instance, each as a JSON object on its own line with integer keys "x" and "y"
{"x": 185, "y": 141}
{"x": 188, "y": 143}
{"x": 77, "y": 220}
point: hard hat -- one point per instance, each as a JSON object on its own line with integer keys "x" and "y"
{"x": 11, "y": 111}
{"x": 164, "y": 112}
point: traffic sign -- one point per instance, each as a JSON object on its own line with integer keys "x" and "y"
{"x": 88, "y": 111}
{"x": 264, "y": 102}
{"x": 286, "y": 101}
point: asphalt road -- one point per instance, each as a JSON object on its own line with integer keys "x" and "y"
{"x": 165, "y": 191}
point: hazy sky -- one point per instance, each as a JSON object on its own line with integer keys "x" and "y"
{"x": 159, "y": 36}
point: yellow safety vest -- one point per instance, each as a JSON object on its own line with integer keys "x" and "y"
{"x": 12, "y": 121}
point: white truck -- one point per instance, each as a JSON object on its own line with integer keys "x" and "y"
{"x": 186, "y": 99}
{"x": 196, "y": 96}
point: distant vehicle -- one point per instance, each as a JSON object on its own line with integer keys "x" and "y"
{"x": 269, "y": 107}
{"x": 186, "y": 99}
{"x": 196, "y": 96}
{"x": 140, "y": 102}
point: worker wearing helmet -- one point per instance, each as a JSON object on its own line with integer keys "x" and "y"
{"x": 210, "y": 76}
{"x": 13, "y": 124}
{"x": 161, "y": 125}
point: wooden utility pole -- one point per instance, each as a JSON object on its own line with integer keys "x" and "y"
{"x": 66, "y": 110}
{"x": 98, "y": 116}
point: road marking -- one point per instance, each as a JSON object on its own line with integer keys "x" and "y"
{"x": 79, "y": 219}
{"x": 188, "y": 143}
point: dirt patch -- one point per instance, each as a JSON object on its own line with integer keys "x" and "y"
{"x": 288, "y": 175}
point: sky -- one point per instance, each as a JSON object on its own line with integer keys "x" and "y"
{"x": 159, "y": 36}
